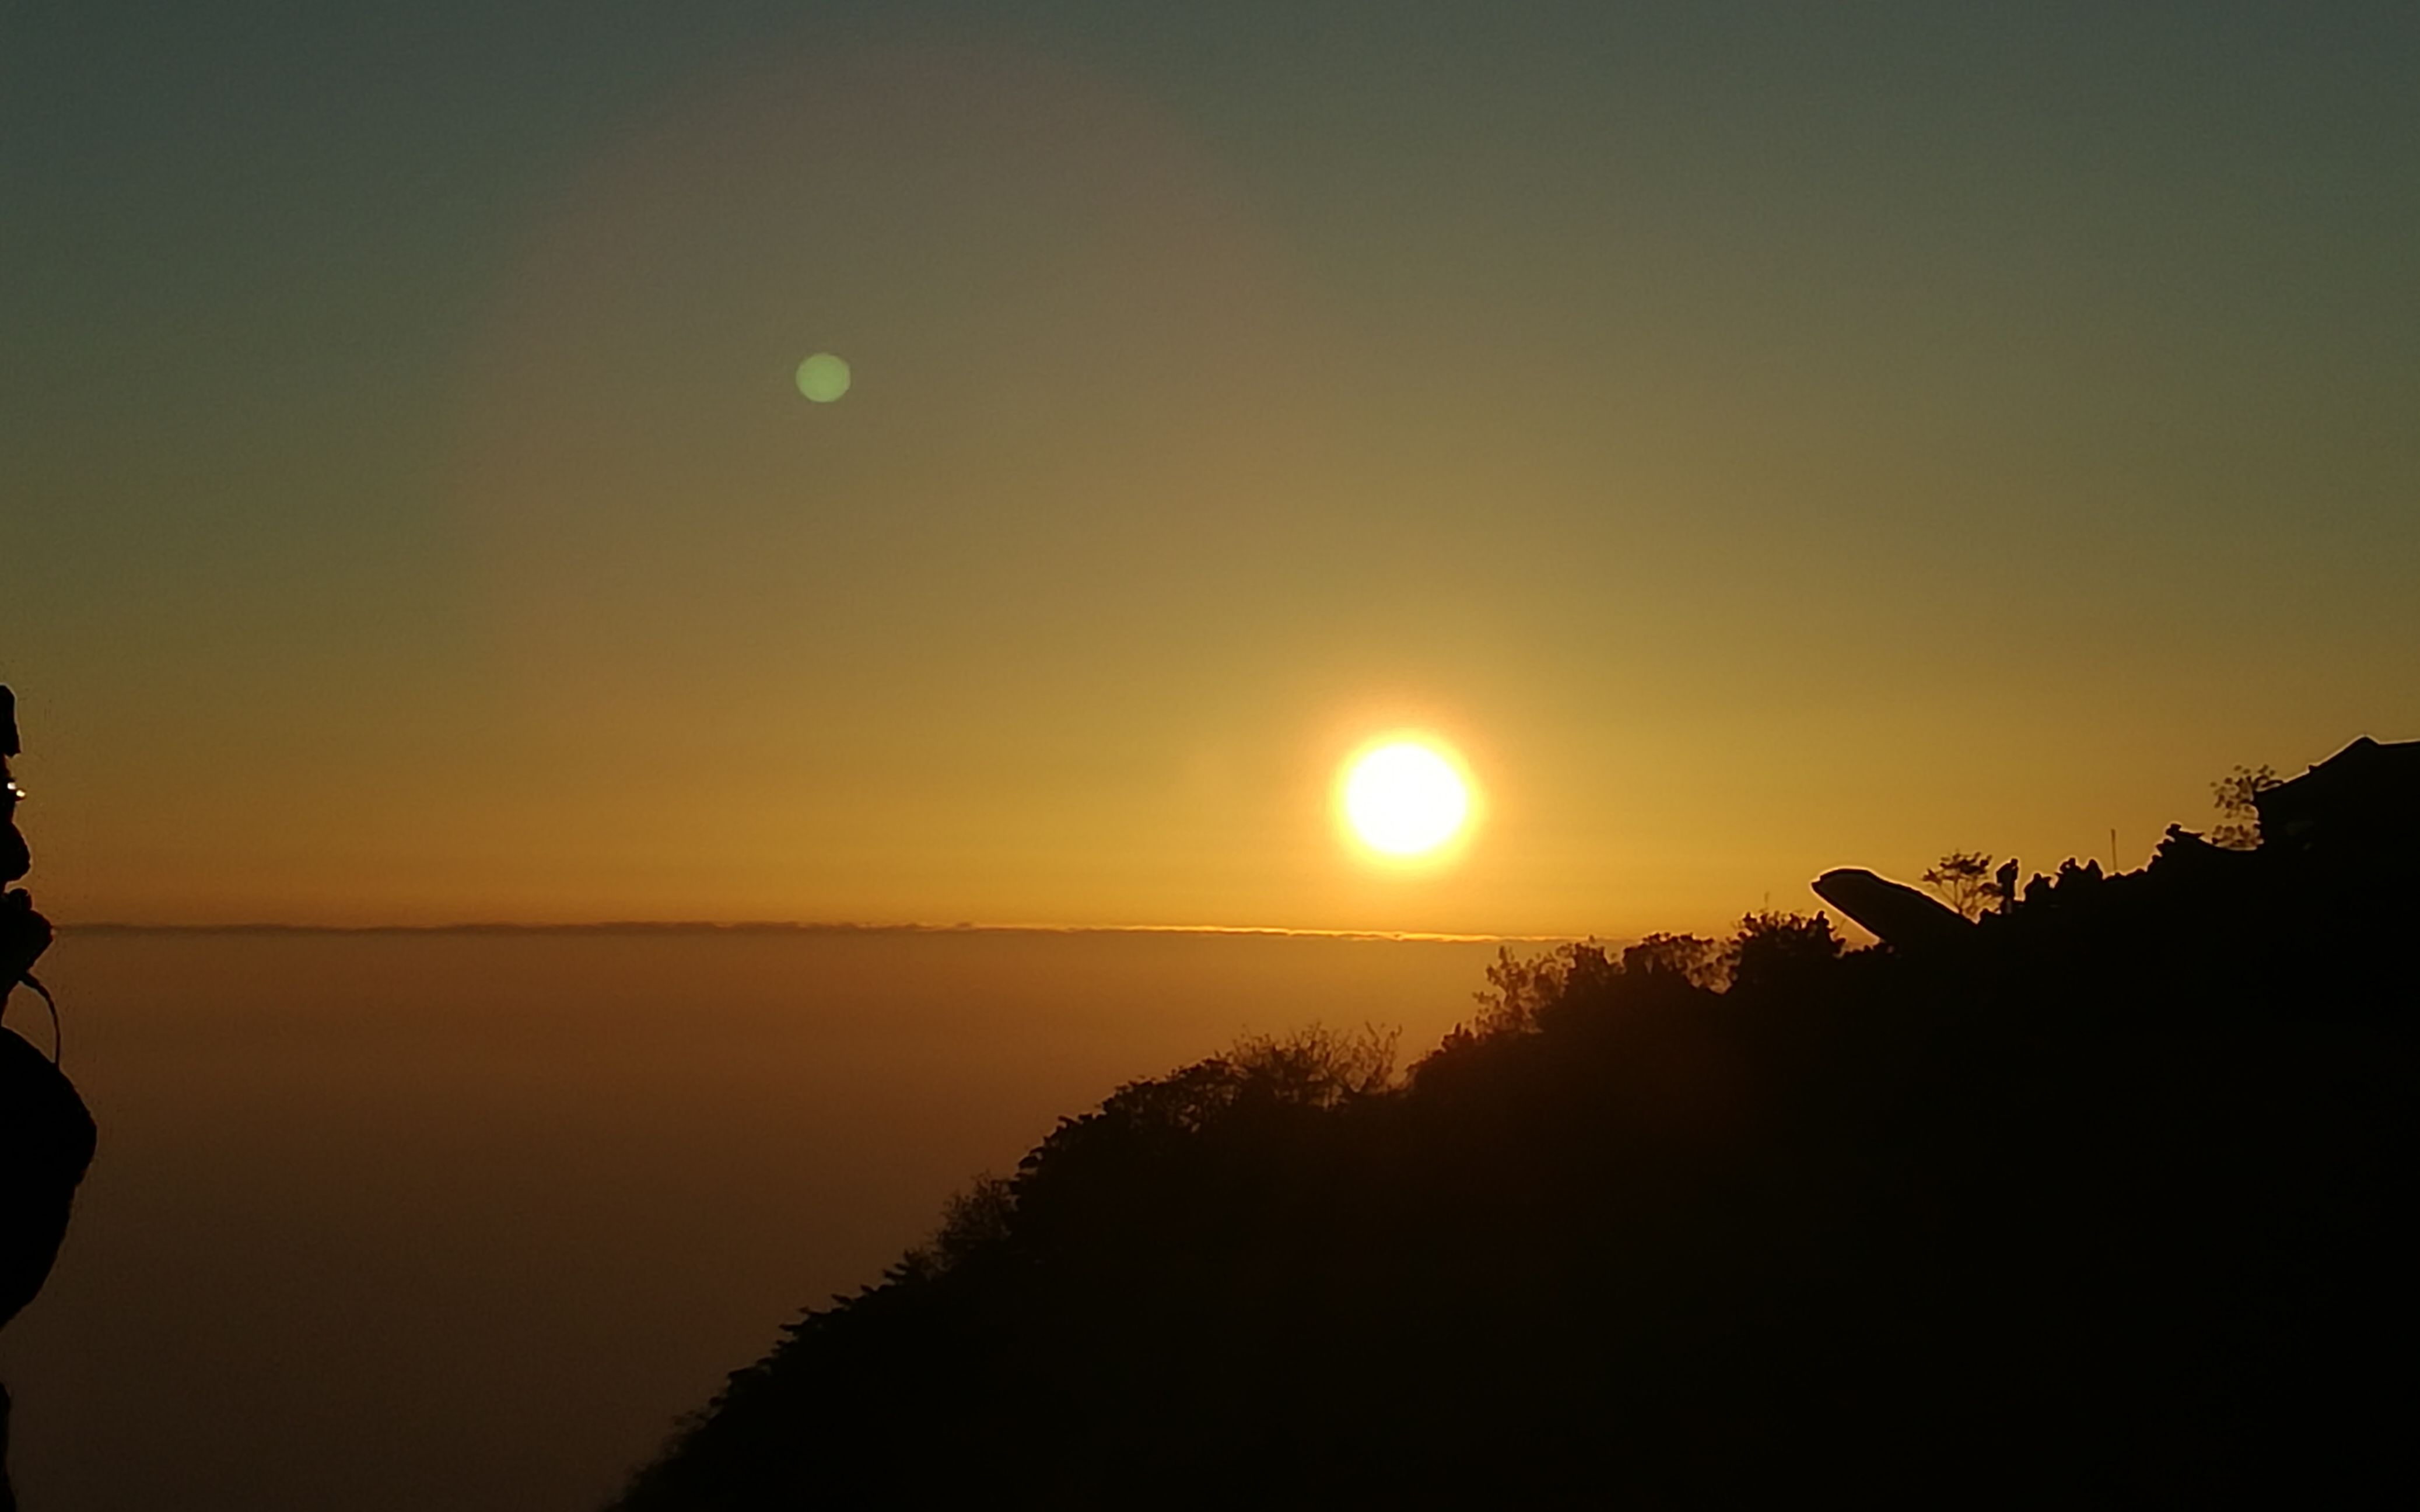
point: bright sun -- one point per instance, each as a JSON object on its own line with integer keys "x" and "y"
{"x": 1404, "y": 798}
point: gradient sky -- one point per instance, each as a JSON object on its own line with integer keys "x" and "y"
{"x": 1763, "y": 438}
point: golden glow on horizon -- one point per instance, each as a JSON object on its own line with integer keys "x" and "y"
{"x": 1405, "y": 797}
{"x": 1150, "y": 521}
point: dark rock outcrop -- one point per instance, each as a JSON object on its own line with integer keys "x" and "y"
{"x": 1895, "y": 912}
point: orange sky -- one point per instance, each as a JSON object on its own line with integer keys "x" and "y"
{"x": 1754, "y": 454}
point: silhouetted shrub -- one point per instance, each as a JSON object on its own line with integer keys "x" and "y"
{"x": 1775, "y": 949}
{"x": 1699, "y": 962}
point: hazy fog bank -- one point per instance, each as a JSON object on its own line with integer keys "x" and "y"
{"x": 400, "y": 1220}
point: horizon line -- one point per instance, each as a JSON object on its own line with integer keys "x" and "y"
{"x": 640, "y": 926}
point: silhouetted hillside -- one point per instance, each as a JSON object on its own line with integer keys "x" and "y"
{"x": 2092, "y": 1199}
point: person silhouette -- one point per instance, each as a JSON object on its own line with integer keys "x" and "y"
{"x": 46, "y": 1132}
{"x": 15, "y": 861}
{"x": 25, "y": 935}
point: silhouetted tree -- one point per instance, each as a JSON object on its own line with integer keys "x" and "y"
{"x": 1693, "y": 959}
{"x": 1775, "y": 949}
{"x": 2239, "y": 825}
{"x": 1965, "y": 881}
{"x": 1519, "y": 987}
{"x": 972, "y": 1221}
{"x": 1522, "y": 988}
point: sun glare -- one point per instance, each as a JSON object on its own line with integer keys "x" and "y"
{"x": 823, "y": 377}
{"x": 1404, "y": 798}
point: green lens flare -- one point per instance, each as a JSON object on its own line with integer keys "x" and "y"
{"x": 823, "y": 377}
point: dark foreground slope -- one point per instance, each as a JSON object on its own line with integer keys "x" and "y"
{"x": 2095, "y": 1202}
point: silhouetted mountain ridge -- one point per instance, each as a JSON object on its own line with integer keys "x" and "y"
{"x": 2089, "y": 1199}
